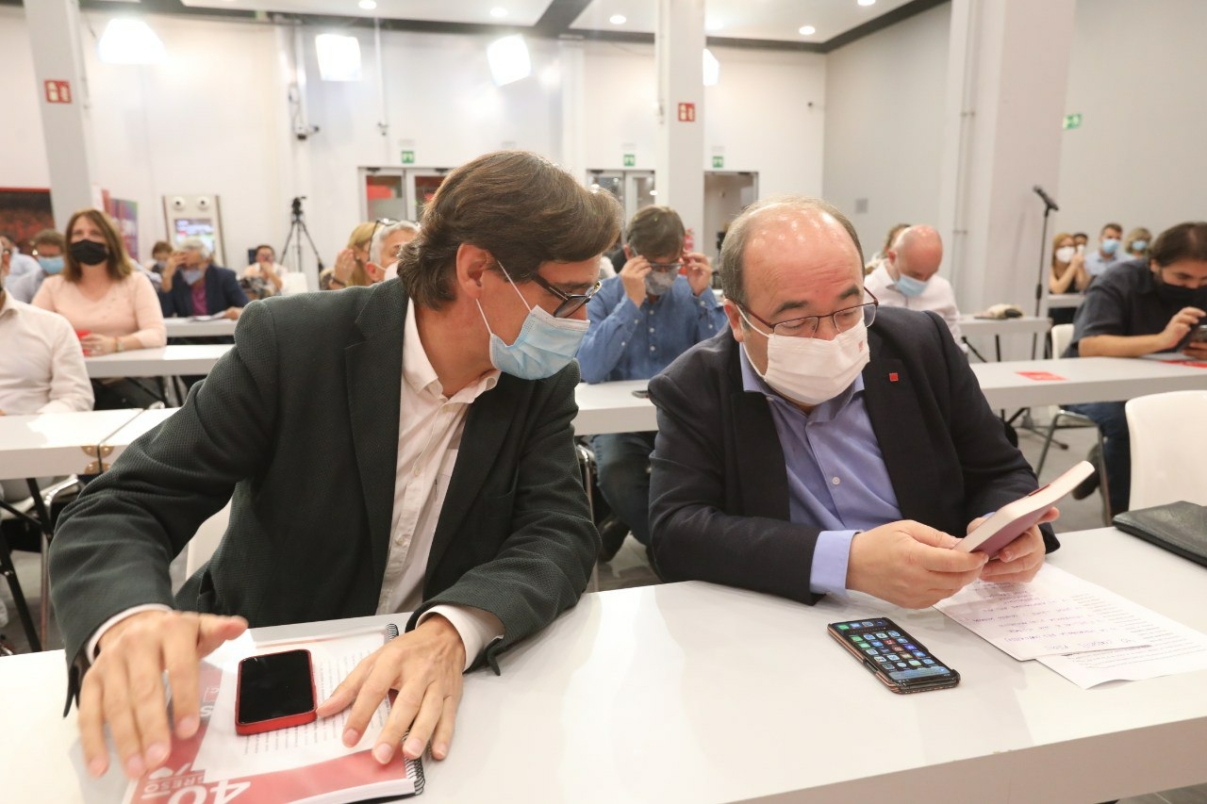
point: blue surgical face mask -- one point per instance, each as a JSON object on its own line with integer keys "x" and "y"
{"x": 1138, "y": 246}
{"x": 910, "y": 286}
{"x": 545, "y": 345}
{"x": 51, "y": 265}
{"x": 1110, "y": 245}
{"x": 190, "y": 275}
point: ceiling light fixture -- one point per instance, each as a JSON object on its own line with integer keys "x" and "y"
{"x": 498, "y": 12}
{"x": 130, "y": 41}
{"x": 338, "y": 57}
{"x": 509, "y": 59}
{"x": 712, "y": 69}
{"x": 618, "y": 19}
{"x": 368, "y": 5}
{"x": 867, "y": 2}
{"x": 807, "y": 30}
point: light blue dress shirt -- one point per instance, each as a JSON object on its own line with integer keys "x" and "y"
{"x": 1095, "y": 263}
{"x": 627, "y": 342}
{"x": 837, "y": 480}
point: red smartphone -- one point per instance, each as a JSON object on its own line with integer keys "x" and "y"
{"x": 82, "y": 333}
{"x": 275, "y": 691}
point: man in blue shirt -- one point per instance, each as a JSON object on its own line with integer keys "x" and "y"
{"x": 1108, "y": 250}
{"x": 655, "y": 309}
{"x": 49, "y": 247}
{"x": 823, "y": 444}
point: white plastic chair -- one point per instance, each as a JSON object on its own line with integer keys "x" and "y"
{"x": 206, "y": 541}
{"x": 294, "y": 282}
{"x": 1169, "y": 440}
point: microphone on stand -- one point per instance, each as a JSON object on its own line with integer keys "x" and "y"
{"x": 1047, "y": 198}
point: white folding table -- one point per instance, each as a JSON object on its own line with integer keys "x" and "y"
{"x": 165, "y": 361}
{"x": 187, "y": 328}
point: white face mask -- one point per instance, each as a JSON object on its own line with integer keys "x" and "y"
{"x": 1065, "y": 253}
{"x": 810, "y": 371}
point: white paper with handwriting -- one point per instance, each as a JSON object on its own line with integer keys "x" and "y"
{"x": 1041, "y": 618}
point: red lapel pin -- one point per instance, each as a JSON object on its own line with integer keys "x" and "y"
{"x": 892, "y": 377}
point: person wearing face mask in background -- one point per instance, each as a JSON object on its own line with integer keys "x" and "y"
{"x": 1068, "y": 275}
{"x": 48, "y": 246}
{"x": 19, "y": 264}
{"x": 822, "y": 444}
{"x": 1137, "y": 243}
{"x": 385, "y": 247}
{"x": 192, "y": 286}
{"x": 1108, "y": 252}
{"x": 660, "y": 305}
{"x": 1136, "y": 308}
{"x": 908, "y": 277}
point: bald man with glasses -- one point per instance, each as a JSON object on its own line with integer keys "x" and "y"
{"x": 823, "y": 443}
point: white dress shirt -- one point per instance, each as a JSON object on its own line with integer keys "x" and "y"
{"x": 938, "y": 297}
{"x": 41, "y": 362}
{"x": 429, "y": 435}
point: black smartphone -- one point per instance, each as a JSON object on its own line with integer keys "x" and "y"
{"x": 274, "y": 691}
{"x": 902, "y": 663}
{"x": 1198, "y": 334}
{"x": 641, "y": 393}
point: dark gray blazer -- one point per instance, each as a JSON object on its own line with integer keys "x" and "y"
{"x": 300, "y": 422}
{"x": 719, "y": 506}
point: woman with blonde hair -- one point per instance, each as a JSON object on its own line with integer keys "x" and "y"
{"x": 350, "y": 264}
{"x": 112, "y": 306}
{"x": 1137, "y": 243}
{"x": 1068, "y": 275}
{"x": 880, "y": 255}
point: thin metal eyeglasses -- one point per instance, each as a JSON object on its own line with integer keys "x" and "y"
{"x": 807, "y": 327}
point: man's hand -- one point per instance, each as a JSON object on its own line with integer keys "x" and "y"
{"x": 124, "y": 687}
{"x": 1019, "y": 561}
{"x": 233, "y": 313}
{"x": 910, "y": 564}
{"x": 425, "y": 667}
{"x": 1180, "y": 325}
{"x": 633, "y": 276}
{"x": 699, "y": 272}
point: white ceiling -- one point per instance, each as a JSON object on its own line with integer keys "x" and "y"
{"x": 745, "y": 19}
{"x": 519, "y": 12}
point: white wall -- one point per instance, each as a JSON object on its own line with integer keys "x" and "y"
{"x": 884, "y": 124}
{"x": 1138, "y": 77}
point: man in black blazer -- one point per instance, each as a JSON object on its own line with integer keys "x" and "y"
{"x": 190, "y": 279}
{"x": 405, "y": 447}
{"x": 803, "y": 452}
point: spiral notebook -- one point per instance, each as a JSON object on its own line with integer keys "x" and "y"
{"x": 300, "y": 764}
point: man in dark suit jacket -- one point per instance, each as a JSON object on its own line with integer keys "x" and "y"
{"x": 403, "y": 447}
{"x": 192, "y": 285}
{"x": 801, "y": 453}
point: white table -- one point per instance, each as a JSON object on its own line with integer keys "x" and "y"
{"x": 51, "y": 444}
{"x": 698, "y": 693}
{"x": 1056, "y": 300}
{"x": 973, "y": 327}
{"x": 116, "y": 443}
{"x": 166, "y": 361}
{"x": 1086, "y": 379}
{"x": 611, "y": 407}
{"x": 186, "y": 328}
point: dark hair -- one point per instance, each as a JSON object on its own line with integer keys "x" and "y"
{"x": 516, "y": 205}
{"x": 1118, "y": 227}
{"x": 1080, "y": 234}
{"x": 49, "y": 237}
{"x": 655, "y": 232}
{"x": 119, "y": 261}
{"x": 270, "y": 248}
{"x": 160, "y": 245}
{"x": 1185, "y": 241}
{"x": 732, "y": 250}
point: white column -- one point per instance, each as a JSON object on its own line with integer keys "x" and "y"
{"x": 1007, "y": 74}
{"x": 679, "y": 48}
{"x": 54, "y": 33}
{"x": 572, "y": 107}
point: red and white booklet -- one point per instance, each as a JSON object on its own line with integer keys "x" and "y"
{"x": 299, "y": 764}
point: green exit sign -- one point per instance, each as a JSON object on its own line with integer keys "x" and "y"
{"x": 718, "y": 162}
{"x": 408, "y": 157}
{"x": 630, "y": 160}
{"x": 1072, "y": 121}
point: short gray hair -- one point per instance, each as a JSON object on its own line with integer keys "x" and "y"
{"x": 384, "y": 231}
{"x": 733, "y": 249}
{"x": 196, "y": 244}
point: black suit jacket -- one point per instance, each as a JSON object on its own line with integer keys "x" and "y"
{"x": 719, "y": 488}
{"x": 222, "y": 292}
{"x": 300, "y": 421}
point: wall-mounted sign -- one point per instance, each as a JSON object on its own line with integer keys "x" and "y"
{"x": 630, "y": 160}
{"x": 408, "y": 157}
{"x": 687, "y": 112}
{"x": 718, "y": 162}
{"x": 1072, "y": 121}
{"x": 58, "y": 92}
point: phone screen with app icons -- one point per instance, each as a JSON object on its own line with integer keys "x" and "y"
{"x": 900, "y": 662}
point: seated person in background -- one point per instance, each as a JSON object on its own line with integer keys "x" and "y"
{"x": 111, "y": 306}
{"x": 1137, "y": 308}
{"x": 1107, "y": 253}
{"x": 192, "y": 285}
{"x": 791, "y": 449}
{"x": 1079, "y": 240}
{"x": 48, "y": 247}
{"x": 1068, "y": 275}
{"x": 159, "y": 256}
{"x": 908, "y": 277}
{"x": 266, "y": 270}
{"x": 876, "y": 259}
{"x": 385, "y": 248}
{"x": 641, "y": 320}
{"x": 19, "y": 264}
{"x": 327, "y": 280}
{"x": 1136, "y": 244}
{"x": 406, "y": 447}
{"x": 351, "y": 267}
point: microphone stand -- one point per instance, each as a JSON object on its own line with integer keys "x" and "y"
{"x": 1049, "y": 205}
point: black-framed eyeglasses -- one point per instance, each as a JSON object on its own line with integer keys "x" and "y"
{"x": 571, "y": 302}
{"x": 807, "y": 327}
